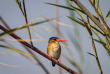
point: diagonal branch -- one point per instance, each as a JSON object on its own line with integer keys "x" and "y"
{"x": 4, "y": 23}
{"x": 39, "y": 52}
{"x": 99, "y": 15}
{"x": 94, "y": 48}
{"x": 37, "y": 60}
{"x": 91, "y": 17}
{"x": 25, "y": 16}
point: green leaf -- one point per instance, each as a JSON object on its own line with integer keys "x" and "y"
{"x": 108, "y": 13}
{"x": 91, "y": 54}
{"x": 79, "y": 22}
{"x": 94, "y": 2}
{"x": 16, "y": 50}
{"x": 69, "y": 2}
{"x": 22, "y": 27}
{"x": 61, "y": 6}
{"x": 104, "y": 45}
{"x": 66, "y": 7}
{"x": 99, "y": 41}
{"x": 19, "y": 5}
{"x": 97, "y": 18}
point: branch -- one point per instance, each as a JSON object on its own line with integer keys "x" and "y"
{"x": 94, "y": 48}
{"x": 25, "y": 16}
{"x": 91, "y": 17}
{"x": 39, "y": 52}
{"x": 4, "y": 23}
{"x": 99, "y": 15}
{"x": 37, "y": 60}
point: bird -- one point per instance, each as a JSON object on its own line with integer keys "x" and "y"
{"x": 54, "y": 48}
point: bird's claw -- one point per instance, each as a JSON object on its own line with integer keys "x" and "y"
{"x": 57, "y": 62}
{"x": 50, "y": 57}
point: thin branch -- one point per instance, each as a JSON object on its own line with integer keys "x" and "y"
{"x": 4, "y": 23}
{"x": 107, "y": 28}
{"x": 91, "y": 17}
{"x": 39, "y": 52}
{"x": 94, "y": 48}
{"x": 25, "y": 16}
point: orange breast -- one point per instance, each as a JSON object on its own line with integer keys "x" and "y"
{"x": 51, "y": 46}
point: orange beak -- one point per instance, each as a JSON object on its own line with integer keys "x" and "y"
{"x": 61, "y": 40}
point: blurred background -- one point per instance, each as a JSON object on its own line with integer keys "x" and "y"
{"x": 74, "y": 51}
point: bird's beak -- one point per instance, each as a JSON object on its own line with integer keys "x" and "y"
{"x": 61, "y": 40}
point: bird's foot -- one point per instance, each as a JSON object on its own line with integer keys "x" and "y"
{"x": 57, "y": 62}
{"x": 50, "y": 57}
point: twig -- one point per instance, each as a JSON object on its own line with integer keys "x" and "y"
{"x": 94, "y": 48}
{"x": 4, "y": 23}
{"x": 40, "y": 52}
{"x": 91, "y": 17}
{"x": 107, "y": 28}
{"x": 25, "y": 16}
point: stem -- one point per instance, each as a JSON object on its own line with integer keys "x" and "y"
{"x": 94, "y": 48}
{"x": 39, "y": 52}
{"x": 92, "y": 17}
{"x": 4, "y": 23}
{"x": 25, "y": 16}
{"x": 106, "y": 27}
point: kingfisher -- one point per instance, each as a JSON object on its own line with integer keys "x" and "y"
{"x": 54, "y": 48}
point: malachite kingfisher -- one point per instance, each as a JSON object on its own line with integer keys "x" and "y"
{"x": 54, "y": 48}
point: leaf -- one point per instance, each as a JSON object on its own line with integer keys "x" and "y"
{"x": 70, "y": 8}
{"x": 108, "y": 13}
{"x": 79, "y": 22}
{"x": 93, "y": 2}
{"x": 91, "y": 54}
{"x": 16, "y": 50}
{"x": 97, "y": 18}
{"x": 19, "y": 5}
{"x": 104, "y": 45}
{"x": 9, "y": 65}
{"x": 99, "y": 41}
{"x": 61, "y": 6}
{"x": 69, "y": 2}
{"x": 22, "y": 27}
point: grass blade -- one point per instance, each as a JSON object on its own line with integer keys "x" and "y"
{"x": 16, "y": 50}
{"x": 66, "y": 7}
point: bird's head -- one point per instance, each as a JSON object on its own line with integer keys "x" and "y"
{"x": 56, "y": 39}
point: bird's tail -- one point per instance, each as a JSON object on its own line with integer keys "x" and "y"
{"x": 53, "y": 64}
